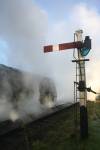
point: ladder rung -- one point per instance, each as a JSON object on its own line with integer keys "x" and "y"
{"x": 80, "y": 75}
{"x": 80, "y": 67}
{"x": 80, "y": 98}
{"x": 77, "y": 61}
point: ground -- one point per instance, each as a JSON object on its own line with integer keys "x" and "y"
{"x": 61, "y": 133}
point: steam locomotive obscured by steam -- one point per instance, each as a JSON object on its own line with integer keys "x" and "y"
{"x": 16, "y": 85}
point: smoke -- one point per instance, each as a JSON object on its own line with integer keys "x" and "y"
{"x": 24, "y": 95}
{"x": 23, "y": 27}
{"x": 22, "y": 33}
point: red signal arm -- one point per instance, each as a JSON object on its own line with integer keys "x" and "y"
{"x": 64, "y": 46}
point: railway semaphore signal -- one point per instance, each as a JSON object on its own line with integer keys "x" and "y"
{"x": 83, "y": 48}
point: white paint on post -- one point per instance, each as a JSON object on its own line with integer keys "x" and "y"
{"x": 82, "y": 76}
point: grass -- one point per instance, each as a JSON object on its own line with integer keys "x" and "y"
{"x": 60, "y": 135}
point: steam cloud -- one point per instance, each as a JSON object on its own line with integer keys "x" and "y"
{"x": 22, "y": 32}
{"x": 23, "y": 29}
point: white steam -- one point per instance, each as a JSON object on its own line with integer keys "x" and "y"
{"x": 23, "y": 27}
{"x": 23, "y": 95}
{"x": 22, "y": 33}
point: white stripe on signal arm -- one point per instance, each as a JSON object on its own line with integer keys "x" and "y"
{"x": 56, "y": 47}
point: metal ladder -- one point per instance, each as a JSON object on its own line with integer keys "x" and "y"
{"x": 80, "y": 74}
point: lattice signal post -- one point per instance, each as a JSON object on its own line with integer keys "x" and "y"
{"x": 83, "y": 49}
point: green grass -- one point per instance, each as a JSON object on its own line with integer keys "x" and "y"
{"x": 61, "y": 133}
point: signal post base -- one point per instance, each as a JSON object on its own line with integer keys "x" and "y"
{"x": 83, "y": 122}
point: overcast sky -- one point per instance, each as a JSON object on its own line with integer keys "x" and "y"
{"x": 27, "y": 25}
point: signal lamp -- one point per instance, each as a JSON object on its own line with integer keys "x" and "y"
{"x": 86, "y": 46}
